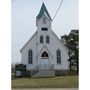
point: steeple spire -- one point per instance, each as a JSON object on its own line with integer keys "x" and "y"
{"x": 43, "y": 11}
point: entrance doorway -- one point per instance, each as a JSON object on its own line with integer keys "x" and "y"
{"x": 44, "y": 58}
{"x": 44, "y": 61}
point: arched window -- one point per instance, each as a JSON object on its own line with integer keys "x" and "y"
{"x": 45, "y": 55}
{"x": 44, "y": 20}
{"x": 30, "y": 56}
{"x": 47, "y": 39}
{"x": 58, "y": 56}
{"x": 41, "y": 39}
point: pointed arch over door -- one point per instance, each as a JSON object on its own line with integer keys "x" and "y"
{"x": 45, "y": 55}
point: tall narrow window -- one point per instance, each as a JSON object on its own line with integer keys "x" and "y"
{"x": 58, "y": 56}
{"x": 44, "y": 20}
{"x": 41, "y": 39}
{"x": 47, "y": 39}
{"x": 30, "y": 56}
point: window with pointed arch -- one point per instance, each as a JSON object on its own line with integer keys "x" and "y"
{"x": 41, "y": 39}
{"x": 30, "y": 56}
{"x": 44, "y": 20}
{"x": 58, "y": 56}
{"x": 47, "y": 39}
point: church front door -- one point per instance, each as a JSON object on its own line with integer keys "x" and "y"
{"x": 44, "y": 64}
{"x": 44, "y": 61}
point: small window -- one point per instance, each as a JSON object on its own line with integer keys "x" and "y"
{"x": 58, "y": 56}
{"x": 44, "y": 20}
{"x": 30, "y": 56}
{"x": 47, "y": 39}
{"x": 41, "y": 39}
{"x": 44, "y": 29}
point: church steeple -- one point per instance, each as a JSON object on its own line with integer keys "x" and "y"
{"x": 43, "y": 11}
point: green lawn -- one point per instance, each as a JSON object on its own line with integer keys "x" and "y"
{"x": 54, "y": 82}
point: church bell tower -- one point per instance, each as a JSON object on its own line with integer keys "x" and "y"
{"x": 43, "y": 23}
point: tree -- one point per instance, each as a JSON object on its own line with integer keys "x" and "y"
{"x": 71, "y": 42}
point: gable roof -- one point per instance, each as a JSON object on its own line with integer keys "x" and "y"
{"x": 43, "y": 11}
{"x": 28, "y": 41}
{"x": 60, "y": 41}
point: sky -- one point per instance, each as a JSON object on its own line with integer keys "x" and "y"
{"x": 24, "y": 14}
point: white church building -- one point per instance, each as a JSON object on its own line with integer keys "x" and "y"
{"x": 44, "y": 52}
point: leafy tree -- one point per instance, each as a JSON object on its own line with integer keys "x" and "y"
{"x": 71, "y": 42}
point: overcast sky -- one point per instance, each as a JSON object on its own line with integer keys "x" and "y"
{"x": 24, "y": 14}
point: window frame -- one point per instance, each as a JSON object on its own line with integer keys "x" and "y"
{"x": 44, "y": 29}
{"x": 47, "y": 39}
{"x": 41, "y": 39}
{"x": 30, "y": 56}
{"x": 44, "y": 20}
{"x": 58, "y": 55}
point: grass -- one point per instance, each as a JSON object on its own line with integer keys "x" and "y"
{"x": 52, "y": 82}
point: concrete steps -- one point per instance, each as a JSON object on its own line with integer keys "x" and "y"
{"x": 44, "y": 73}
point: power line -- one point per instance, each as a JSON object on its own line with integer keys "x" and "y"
{"x": 57, "y": 10}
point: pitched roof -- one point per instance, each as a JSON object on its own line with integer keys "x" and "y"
{"x": 28, "y": 41}
{"x": 43, "y": 11}
{"x": 60, "y": 41}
